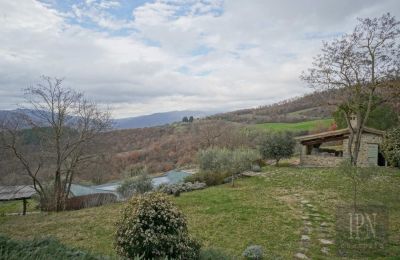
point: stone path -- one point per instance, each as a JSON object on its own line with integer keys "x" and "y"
{"x": 20, "y": 214}
{"x": 315, "y": 230}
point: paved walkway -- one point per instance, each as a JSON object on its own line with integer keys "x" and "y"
{"x": 316, "y": 230}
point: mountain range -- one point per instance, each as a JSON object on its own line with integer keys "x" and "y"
{"x": 156, "y": 119}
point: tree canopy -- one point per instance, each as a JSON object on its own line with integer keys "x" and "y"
{"x": 277, "y": 146}
{"x": 382, "y": 118}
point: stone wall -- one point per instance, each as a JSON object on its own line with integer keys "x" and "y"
{"x": 366, "y": 139}
{"x": 320, "y": 161}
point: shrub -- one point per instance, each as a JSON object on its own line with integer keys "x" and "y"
{"x": 207, "y": 177}
{"x": 253, "y": 252}
{"x": 391, "y": 146}
{"x": 47, "y": 248}
{"x": 215, "y": 160}
{"x": 243, "y": 160}
{"x": 216, "y": 164}
{"x": 46, "y": 203}
{"x": 181, "y": 187}
{"x": 152, "y": 227}
{"x": 139, "y": 184}
{"x": 277, "y": 146}
{"x": 212, "y": 254}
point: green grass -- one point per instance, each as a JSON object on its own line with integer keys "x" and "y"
{"x": 299, "y": 112}
{"x": 295, "y": 127}
{"x": 15, "y": 206}
{"x": 47, "y": 248}
{"x": 259, "y": 210}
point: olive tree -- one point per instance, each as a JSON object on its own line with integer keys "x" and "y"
{"x": 227, "y": 162}
{"x": 62, "y": 122}
{"x": 277, "y": 146}
{"x": 356, "y": 67}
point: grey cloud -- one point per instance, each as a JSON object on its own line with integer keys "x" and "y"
{"x": 259, "y": 49}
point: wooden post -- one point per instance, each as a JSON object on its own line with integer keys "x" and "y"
{"x": 24, "y": 206}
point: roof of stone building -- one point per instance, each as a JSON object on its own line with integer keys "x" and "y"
{"x": 338, "y": 133}
{"x": 16, "y": 192}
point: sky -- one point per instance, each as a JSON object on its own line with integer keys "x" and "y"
{"x": 141, "y": 57}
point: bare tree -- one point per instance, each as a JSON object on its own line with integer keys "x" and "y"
{"x": 358, "y": 67}
{"x": 209, "y": 132}
{"x": 62, "y": 122}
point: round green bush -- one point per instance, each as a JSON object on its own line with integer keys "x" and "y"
{"x": 152, "y": 227}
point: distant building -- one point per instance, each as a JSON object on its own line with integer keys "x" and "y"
{"x": 329, "y": 149}
{"x": 22, "y": 192}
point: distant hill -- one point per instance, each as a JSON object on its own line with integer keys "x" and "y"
{"x": 157, "y": 119}
{"x": 9, "y": 114}
{"x": 308, "y": 107}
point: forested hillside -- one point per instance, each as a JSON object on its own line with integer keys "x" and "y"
{"x": 314, "y": 106}
{"x": 163, "y": 148}
{"x": 308, "y": 107}
{"x": 116, "y": 153}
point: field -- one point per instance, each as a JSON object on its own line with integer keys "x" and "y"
{"x": 265, "y": 210}
{"x": 296, "y": 127}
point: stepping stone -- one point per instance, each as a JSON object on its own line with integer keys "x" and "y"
{"x": 325, "y": 231}
{"x": 325, "y": 250}
{"x": 305, "y": 238}
{"x": 324, "y": 235}
{"x": 307, "y": 230}
{"x": 326, "y": 242}
{"x": 304, "y": 202}
{"x": 324, "y": 224}
{"x": 300, "y": 256}
{"x": 303, "y": 249}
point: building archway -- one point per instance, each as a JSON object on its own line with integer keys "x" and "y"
{"x": 381, "y": 159}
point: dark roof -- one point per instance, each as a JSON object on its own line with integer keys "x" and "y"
{"x": 341, "y": 132}
{"x": 16, "y": 192}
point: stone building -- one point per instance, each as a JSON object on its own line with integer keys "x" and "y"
{"x": 329, "y": 149}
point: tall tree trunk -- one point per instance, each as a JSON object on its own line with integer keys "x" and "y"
{"x": 357, "y": 145}
{"x": 57, "y": 192}
{"x": 355, "y": 194}
{"x": 24, "y": 206}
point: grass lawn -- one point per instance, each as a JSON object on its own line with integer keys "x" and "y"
{"x": 15, "y": 206}
{"x": 301, "y": 126}
{"x": 264, "y": 210}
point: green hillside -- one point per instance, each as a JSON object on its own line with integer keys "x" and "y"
{"x": 296, "y": 127}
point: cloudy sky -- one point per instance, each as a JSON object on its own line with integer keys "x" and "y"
{"x": 141, "y": 57}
